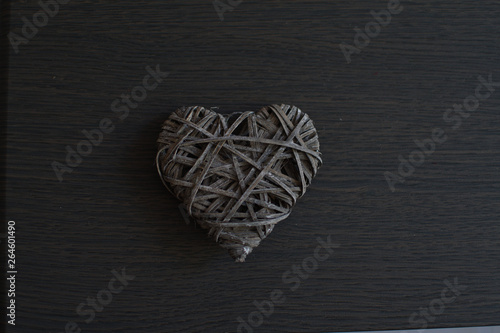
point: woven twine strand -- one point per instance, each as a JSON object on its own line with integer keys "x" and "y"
{"x": 241, "y": 174}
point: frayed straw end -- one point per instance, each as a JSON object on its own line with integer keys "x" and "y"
{"x": 239, "y": 254}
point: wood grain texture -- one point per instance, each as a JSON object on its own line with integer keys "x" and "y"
{"x": 396, "y": 248}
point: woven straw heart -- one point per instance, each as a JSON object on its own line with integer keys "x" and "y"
{"x": 240, "y": 174}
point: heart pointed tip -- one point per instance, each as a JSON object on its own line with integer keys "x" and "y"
{"x": 239, "y": 254}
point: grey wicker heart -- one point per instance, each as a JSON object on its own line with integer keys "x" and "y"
{"x": 239, "y": 174}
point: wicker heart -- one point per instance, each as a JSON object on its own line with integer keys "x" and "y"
{"x": 239, "y": 174}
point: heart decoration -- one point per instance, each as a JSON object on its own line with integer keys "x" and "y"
{"x": 240, "y": 174}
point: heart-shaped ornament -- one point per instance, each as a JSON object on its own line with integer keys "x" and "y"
{"x": 239, "y": 174}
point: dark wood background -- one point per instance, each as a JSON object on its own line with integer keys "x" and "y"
{"x": 396, "y": 248}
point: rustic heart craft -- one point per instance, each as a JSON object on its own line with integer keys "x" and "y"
{"x": 239, "y": 174}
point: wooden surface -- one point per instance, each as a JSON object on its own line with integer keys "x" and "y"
{"x": 396, "y": 248}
